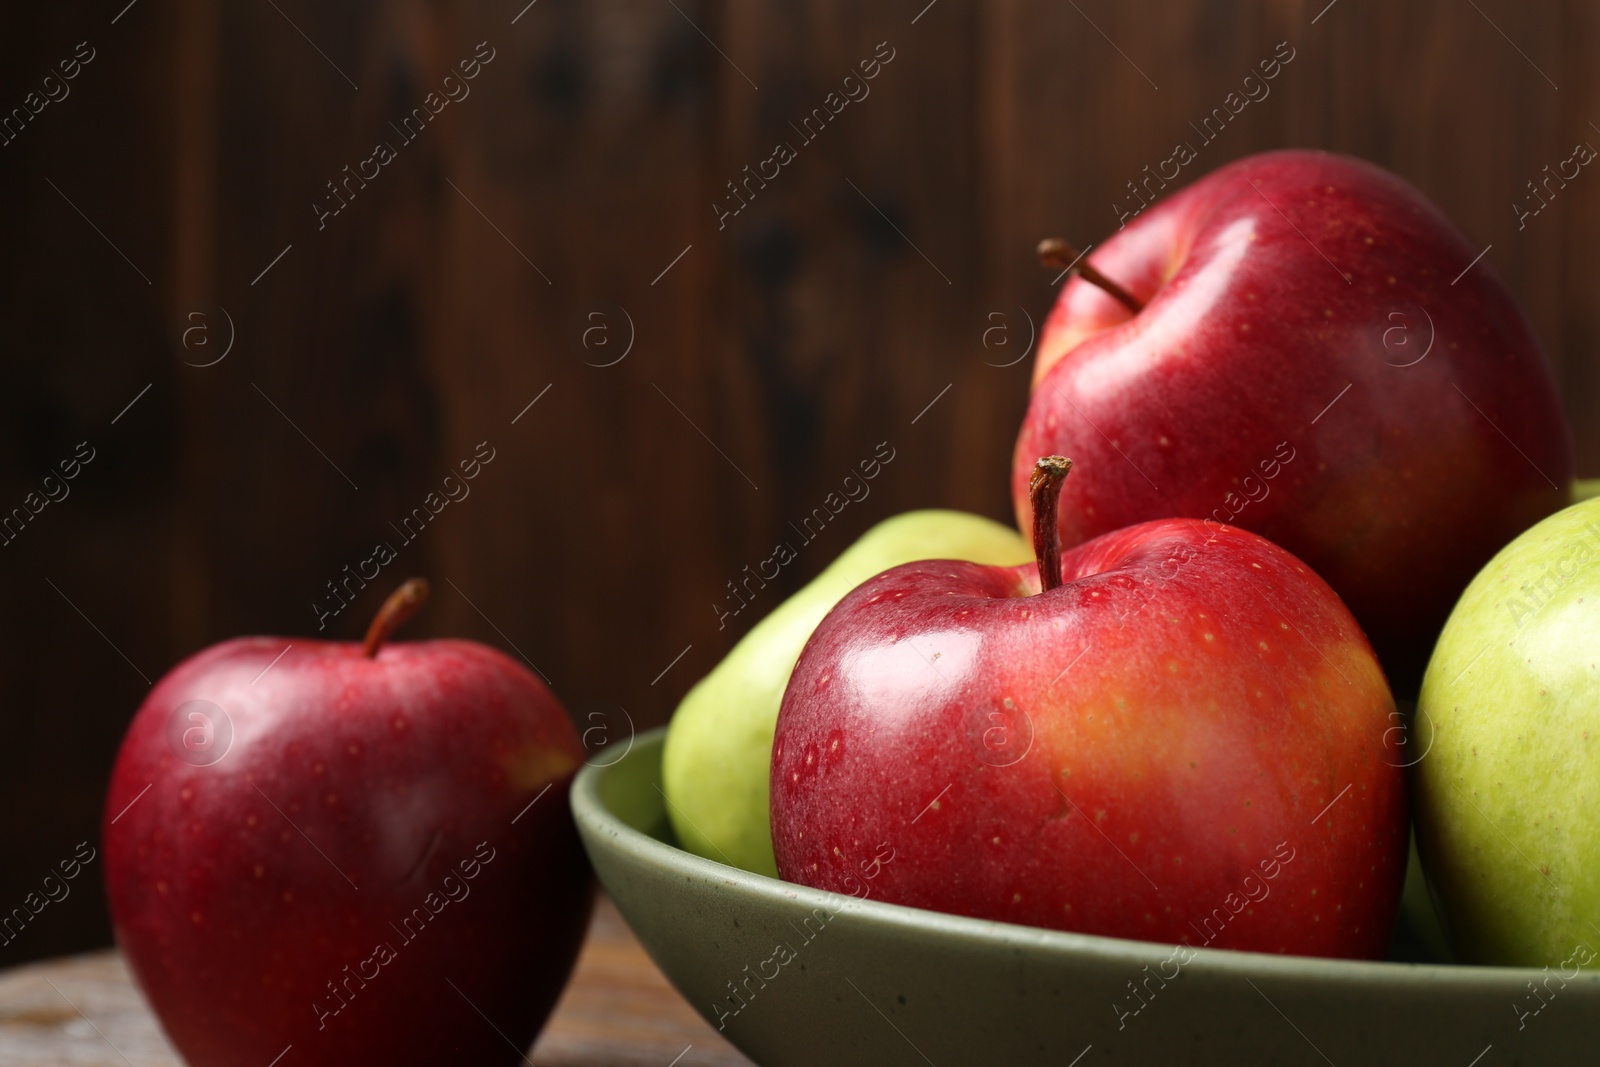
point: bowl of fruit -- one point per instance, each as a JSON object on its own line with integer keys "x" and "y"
{"x": 795, "y": 975}
{"x": 1140, "y": 783}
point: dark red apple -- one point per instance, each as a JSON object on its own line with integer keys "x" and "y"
{"x": 339, "y": 854}
{"x": 1181, "y": 740}
{"x": 1322, "y": 358}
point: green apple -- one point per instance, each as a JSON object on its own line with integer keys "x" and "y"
{"x": 1508, "y": 788}
{"x": 718, "y": 752}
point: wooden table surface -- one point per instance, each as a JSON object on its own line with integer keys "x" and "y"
{"x": 618, "y": 1011}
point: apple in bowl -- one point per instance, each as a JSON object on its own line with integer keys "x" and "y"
{"x": 1509, "y": 725}
{"x": 1175, "y": 732}
{"x": 1301, "y": 344}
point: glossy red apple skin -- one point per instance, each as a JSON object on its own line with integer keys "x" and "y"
{"x": 1200, "y": 704}
{"x": 1397, "y": 494}
{"x": 228, "y": 883}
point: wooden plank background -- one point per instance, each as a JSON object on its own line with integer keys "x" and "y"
{"x": 456, "y": 287}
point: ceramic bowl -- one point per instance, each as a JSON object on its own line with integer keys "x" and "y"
{"x": 792, "y": 975}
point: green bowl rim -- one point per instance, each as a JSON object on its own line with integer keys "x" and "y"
{"x": 596, "y": 822}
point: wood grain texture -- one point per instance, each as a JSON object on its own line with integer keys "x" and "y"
{"x": 876, "y": 274}
{"x": 618, "y": 1011}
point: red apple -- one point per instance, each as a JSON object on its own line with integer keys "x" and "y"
{"x": 1180, "y": 740}
{"x": 358, "y": 854}
{"x": 1322, "y": 358}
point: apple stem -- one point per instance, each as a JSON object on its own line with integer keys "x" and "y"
{"x": 1054, "y": 252}
{"x": 1044, "y": 489}
{"x": 401, "y": 605}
